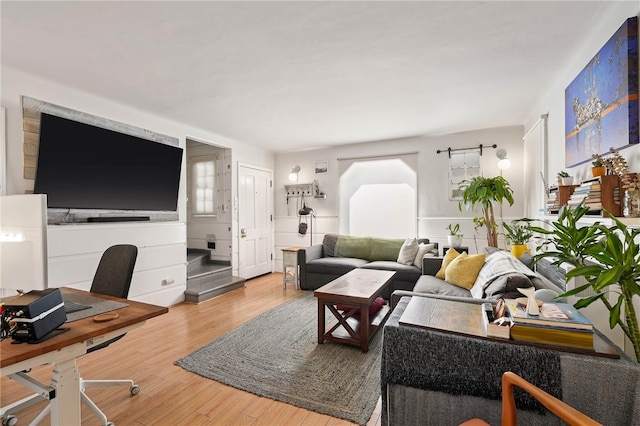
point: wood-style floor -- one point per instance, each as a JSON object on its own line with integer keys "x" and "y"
{"x": 169, "y": 394}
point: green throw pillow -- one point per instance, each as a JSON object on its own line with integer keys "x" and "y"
{"x": 385, "y": 249}
{"x": 349, "y": 246}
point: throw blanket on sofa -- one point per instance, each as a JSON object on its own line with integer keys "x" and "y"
{"x": 498, "y": 264}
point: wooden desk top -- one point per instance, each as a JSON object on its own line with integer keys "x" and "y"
{"x": 80, "y": 330}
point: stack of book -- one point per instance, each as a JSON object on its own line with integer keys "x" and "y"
{"x": 558, "y": 324}
{"x": 553, "y": 202}
{"x": 589, "y": 192}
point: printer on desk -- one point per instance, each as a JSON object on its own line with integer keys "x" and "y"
{"x": 35, "y": 314}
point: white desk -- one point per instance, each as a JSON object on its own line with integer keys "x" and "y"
{"x": 62, "y": 351}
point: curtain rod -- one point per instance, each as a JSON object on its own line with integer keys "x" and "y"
{"x": 450, "y": 150}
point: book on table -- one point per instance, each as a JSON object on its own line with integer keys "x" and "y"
{"x": 558, "y": 324}
{"x": 575, "y": 338}
{"x": 557, "y": 315}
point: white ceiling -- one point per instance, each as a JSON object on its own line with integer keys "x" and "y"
{"x": 294, "y": 75}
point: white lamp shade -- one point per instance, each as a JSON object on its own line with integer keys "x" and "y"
{"x": 504, "y": 164}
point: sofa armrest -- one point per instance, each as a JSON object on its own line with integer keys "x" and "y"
{"x": 305, "y": 255}
{"x": 398, "y": 294}
{"x": 431, "y": 265}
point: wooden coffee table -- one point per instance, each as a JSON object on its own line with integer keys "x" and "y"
{"x": 356, "y": 289}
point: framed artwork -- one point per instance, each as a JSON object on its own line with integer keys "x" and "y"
{"x": 601, "y": 103}
{"x": 322, "y": 167}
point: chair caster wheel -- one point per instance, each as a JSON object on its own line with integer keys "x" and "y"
{"x": 134, "y": 390}
{"x": 9, "y": 420}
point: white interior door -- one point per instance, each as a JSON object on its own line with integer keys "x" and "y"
{"x": 254, "y": 220}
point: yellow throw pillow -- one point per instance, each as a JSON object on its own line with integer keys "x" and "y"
{"x": 464, "y": 269}
{"x": 446, "y": 260}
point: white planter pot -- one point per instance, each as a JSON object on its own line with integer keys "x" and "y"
{"x": 566, "y": 181}
{"x": 454, "y": 240}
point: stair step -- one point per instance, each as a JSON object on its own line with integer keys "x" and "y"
{"x": 206, "y": 289}
{"x": 209, "y": 269}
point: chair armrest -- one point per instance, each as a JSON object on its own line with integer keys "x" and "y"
{"x": 431, "y": 265}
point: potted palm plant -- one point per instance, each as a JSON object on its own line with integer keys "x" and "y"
{"x": 484, "y": 192}
{"x": 606, "y": 256}
{"x": 518, "y": 235}
{"x": 454, "y": 238}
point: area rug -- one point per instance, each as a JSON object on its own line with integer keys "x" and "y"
{"x": 277, "y": 355}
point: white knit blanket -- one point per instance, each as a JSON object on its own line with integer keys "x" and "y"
{"x": 495, "y": 265}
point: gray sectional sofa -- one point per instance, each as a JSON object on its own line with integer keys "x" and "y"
{"x": 339, "y": 254}
{"x": 500, "y": 278}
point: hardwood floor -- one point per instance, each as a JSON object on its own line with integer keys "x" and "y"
{"x": 171, "y": 395}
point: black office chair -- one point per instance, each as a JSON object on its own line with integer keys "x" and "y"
{"x": 112, "y": 278}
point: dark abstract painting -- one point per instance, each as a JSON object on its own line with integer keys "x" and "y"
{"x": 601, "y": 103}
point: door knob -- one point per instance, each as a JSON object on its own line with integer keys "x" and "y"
{"x": 243, "y": 233}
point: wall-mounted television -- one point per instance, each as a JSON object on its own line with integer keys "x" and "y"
{"x": 81, "y": 166}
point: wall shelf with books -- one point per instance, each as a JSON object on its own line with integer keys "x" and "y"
{"x": 558, "y": 197}
{"x": 598, "y": 194}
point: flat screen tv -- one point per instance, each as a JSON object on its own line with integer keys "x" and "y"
{"x": 87, "y": 167}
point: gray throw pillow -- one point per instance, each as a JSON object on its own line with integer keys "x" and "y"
{"x": 329, "y": 245}
{"x": 506, "y": 286}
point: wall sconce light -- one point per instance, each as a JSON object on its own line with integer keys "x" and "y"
{"x": 504, "y": 163}
{"x": 293, "y": 176}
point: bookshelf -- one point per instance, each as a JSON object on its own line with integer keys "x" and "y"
{"x": 599, "y": 193}
{"x": 559, "y": 197}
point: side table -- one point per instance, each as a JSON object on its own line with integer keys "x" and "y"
{"x": 458, "y": 249}
{"x": 290, "y": 267}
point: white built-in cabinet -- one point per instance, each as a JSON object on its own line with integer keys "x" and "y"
{"x": 160, "y": 273}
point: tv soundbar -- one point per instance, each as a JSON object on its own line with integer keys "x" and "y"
{"x": 117, "y": 218}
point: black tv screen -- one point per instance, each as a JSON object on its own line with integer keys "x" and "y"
{"x": 87, "y": 167}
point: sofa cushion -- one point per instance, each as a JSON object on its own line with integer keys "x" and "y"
{"x": 423, "y": 249}
{"x": 408, "y": 251}
{"x": 464, "y": 269}
{"x": 334, "y": 265}
{"x": 329, "y": 244}
{"x": 432, "y": 285}
{"x": 356, "y": 247}
{"x": 403, "y": 272}
{"x": 385, "y": 249}
{"x": 446, "y": 260}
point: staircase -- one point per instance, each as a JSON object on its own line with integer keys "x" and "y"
{"x": 207, "y": 278}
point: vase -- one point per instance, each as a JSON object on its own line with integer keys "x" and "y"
{"x": 454, "y": 240}
{"x": 566, "y": 181}
{"x": 631, "y": 205}
{"x": 518, "y": 250}
{"x": 598, "y": 171}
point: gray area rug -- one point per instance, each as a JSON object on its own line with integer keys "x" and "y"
{"x": 276, "y": 355}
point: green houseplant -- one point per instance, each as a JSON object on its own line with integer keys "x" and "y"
{"x": 564, "y": 178}
{"x": 454, "y": 238}
{"x": 518, "y": 235}
{"x": 484, "y": 192}
{"x": 606, "y": 256}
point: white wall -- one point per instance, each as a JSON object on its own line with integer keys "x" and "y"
{"x": 435, "y": 210}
